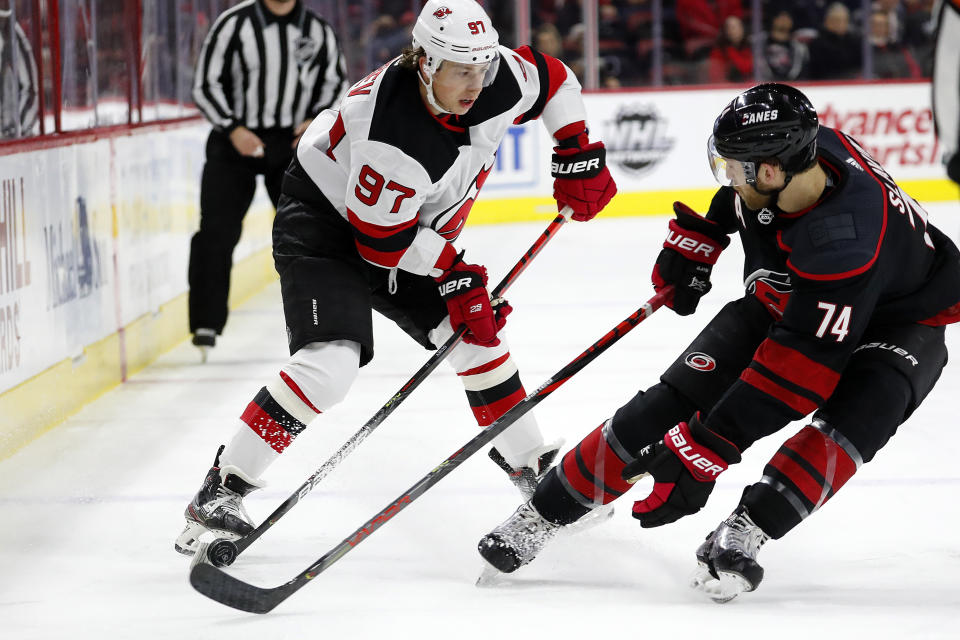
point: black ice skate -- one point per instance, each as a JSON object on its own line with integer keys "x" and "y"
{"x": 217, "y": 507}
{"x": 526, "y": 478}
{"x": 205, "y": 340}
{"x": 518, "y": 540}
{"x": 727, "y": 560}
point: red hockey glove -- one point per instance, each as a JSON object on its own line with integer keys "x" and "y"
{"x": 684, "y": 466}
{"x": 464, "y": 288}
{"x": 691, "y": 249}
{"x": 581, "y": 178}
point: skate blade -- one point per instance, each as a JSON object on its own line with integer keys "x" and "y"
{"x": 204, "y": 354}
{"x": 490, "y": 577}
{"x": 728, "y": 587}
{"x": 200, "y": 555}
{"x": 189, "y": 539}
{"x": 596, "y": 517}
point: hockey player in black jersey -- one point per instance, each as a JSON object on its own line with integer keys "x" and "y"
{"x": 371, "y": 205}
{"x": 848, "y": 291}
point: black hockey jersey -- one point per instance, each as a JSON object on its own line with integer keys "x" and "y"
{"x": 863, "y": 255}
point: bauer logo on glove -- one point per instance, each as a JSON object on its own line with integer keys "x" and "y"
{"x": 580, "y": 168}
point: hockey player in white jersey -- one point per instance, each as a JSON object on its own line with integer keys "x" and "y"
{"x": 371, "y": 208}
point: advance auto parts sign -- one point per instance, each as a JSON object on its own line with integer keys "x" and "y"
{"x": 636, "y": 138}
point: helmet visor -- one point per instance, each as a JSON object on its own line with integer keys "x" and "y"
{"x": 727, "y": 171}
{"x": 491, "y": 73}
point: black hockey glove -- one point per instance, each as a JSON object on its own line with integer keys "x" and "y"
{"x": 691, "y": 249}
{"x": 684, "y": 466}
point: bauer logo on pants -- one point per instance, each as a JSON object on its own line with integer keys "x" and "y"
{"x": 700, "y": 361}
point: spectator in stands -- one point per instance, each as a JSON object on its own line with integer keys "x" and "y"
{"x": 547, "y": 40}
{"x": 18, "y": 81}
{"x": 896, "y": 18}
{"x": 918, "y": 33}
{"x": 807, "y": 14}
{"x": 890, "y": 59}
{"x": 699, "y": 23}
{"x": 731, "y": 60}
{"x": 612, "y": 42}
{"x": 784, "y": 58}
{"x": 836, "y": 53}
{"x": 387, "y": 36}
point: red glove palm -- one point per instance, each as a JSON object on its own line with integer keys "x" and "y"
{"x": 581, "y": 178}
{"x": 464, "y": 288}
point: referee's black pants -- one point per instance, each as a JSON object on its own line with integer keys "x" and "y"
{"x": 227, "y": 187}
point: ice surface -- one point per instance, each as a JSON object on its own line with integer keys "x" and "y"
{"x": 90, "y": 510}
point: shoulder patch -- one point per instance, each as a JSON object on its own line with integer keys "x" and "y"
{"x": 832, "y": 229}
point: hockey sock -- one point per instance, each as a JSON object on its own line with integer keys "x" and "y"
{"x": 316, "y": 378}
{"x": 588, "y": 476}
{"x": 807, "y": 471}
{"x": 492, "y": 384}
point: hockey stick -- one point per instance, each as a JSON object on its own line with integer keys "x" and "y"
{"x": 223, "y": 552}
{"x": 224, "y": 588}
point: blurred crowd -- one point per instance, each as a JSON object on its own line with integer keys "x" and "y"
{"x": 715, "y": 41}
{"x": 126, "y": 61}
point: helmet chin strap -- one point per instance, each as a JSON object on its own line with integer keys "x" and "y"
{"x": 431, "y": 98}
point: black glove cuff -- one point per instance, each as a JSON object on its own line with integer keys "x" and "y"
{"x": 693, "y": 222}
{"x": 586, "y": 164}
{"x": 717, "y": 443}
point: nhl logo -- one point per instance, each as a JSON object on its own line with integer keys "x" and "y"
{"x": 765, "y": 216}
{"x": 637, "y": 138}
{"x": 442, "y": 13}
{"x": 304, "y": 50}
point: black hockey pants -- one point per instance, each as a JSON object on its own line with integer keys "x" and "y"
{"x": 227, "y": 187}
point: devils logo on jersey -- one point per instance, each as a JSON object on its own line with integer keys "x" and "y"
{"x": 451, "y": 227}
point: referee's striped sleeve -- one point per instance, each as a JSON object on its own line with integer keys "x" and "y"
{"x": 946, "y": 77}
{"x": 333, "y": 84}
{"x": 213, "y": 68}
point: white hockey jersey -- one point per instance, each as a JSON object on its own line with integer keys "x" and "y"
{"x": 404, "y": 179}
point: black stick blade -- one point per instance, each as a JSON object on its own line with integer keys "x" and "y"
{"x": 225, "y": 589}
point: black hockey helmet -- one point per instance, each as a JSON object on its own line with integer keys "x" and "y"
{"x": 768, "y": 121}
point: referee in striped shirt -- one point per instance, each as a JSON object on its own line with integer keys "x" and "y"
{"x": 266, "y": 69}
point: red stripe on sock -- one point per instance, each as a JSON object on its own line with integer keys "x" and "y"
{"x": 488, "y": 413}
{"x": 809, "y": 487}
{"x": 298, "y": 392}
{"x": 484, "y": 368}
{"x": 824, "y": 454}
{"x": 266, "y": 427}
{"x": 602, "y": 462}
{"x": 583, "y": 486}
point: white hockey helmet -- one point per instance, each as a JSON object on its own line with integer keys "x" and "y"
{"x": 458, "y": 31}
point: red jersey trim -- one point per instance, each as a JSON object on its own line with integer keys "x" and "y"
{"x": 793, "y": 366}
{"x": 795, "y": 401}
{"x": 376, "y": 230}
{"x": 556, "y": 73}
{"x": 883, "y": 230}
